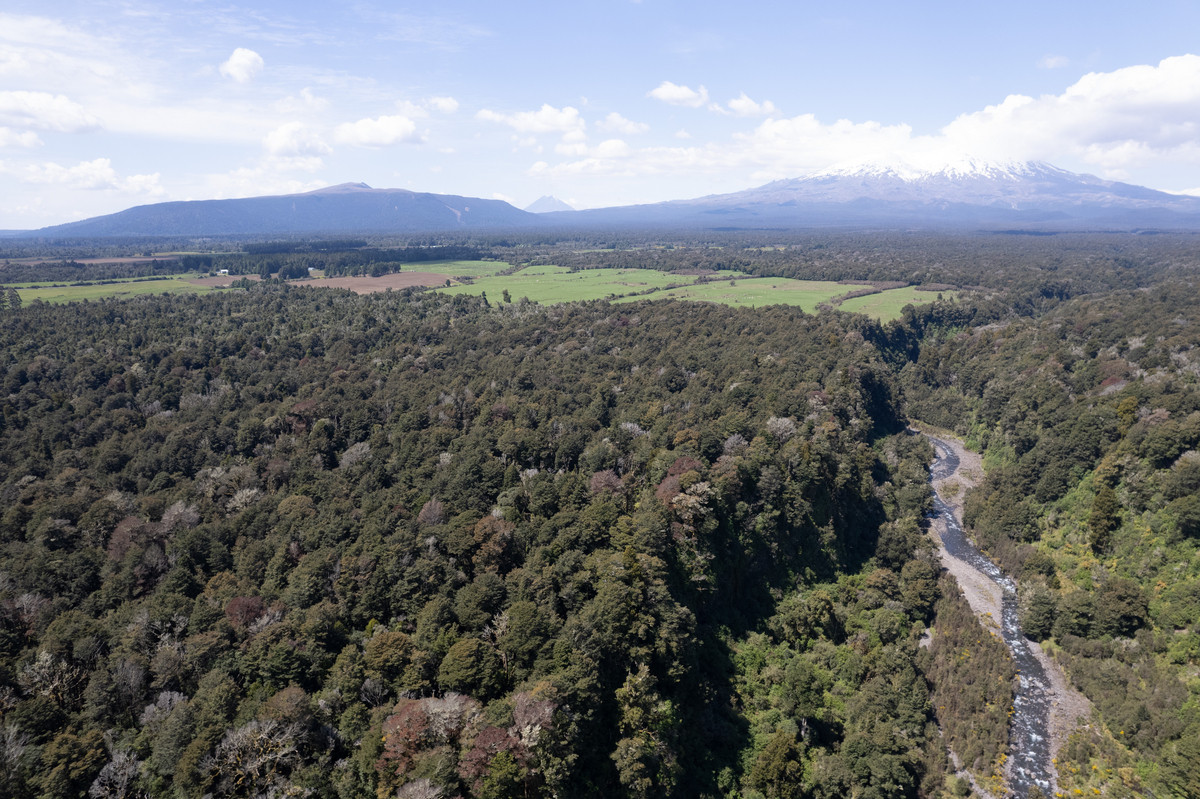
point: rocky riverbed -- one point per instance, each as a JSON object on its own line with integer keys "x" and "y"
{"x": 1047, "y": 708}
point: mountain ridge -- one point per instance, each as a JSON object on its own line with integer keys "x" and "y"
{"x": 548, "y": 203}
{"x": 343, "y": 208}
{"x": 968, "y": 193}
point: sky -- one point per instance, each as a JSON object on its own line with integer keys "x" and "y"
{"x": 108, "y": 104}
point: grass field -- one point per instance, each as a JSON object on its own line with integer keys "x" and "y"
{"x": 126, "y": 288}
{"x": 554, "y": 284}
{"x": 459, "y": 268}
{"x": 759, "y": 291}
{"x": 887, "y": 305}
{"x": 551, "y": 284}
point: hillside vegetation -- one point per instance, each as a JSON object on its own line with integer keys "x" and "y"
{"x": 277, "y": 540}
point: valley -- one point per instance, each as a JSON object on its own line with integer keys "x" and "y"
{"x": 624, "y": 545}
{"x": 828, "y": 427}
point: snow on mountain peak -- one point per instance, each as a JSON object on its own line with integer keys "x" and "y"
{"x": 911, "y": 169}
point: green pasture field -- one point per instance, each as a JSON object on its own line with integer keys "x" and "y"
{"x": 120, "y": 288}
{"x": 552, "y": 284}
{"x": 758, "y": 291}
{"x": 549, "y": 284}
{"x": 887, "y": 305}
{"x": 458, "y": 268}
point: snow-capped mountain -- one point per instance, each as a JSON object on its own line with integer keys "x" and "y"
{"x": 1014, "y": 185}
{"x": 961, "y": 193}
{"x": 967, "y": 193}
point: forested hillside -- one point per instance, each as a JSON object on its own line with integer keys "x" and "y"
{"x": 1089, "y": 418}
{"x": 293, "y": 541}
{"x": 284, "y": 541}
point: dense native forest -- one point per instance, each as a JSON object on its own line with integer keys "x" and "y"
{"x": 282, "y": 541}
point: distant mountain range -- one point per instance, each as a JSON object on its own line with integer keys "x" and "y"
{"x": 547, "y": 204}
{"x": 972, "y": 193}
{"x": 969, "y": 194}
{"x": 347, "y": 208}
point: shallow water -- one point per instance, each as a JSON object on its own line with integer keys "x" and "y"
{"x": 1029, "y": 726}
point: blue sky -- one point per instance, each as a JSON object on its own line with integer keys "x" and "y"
{"x": 106, "y": 104}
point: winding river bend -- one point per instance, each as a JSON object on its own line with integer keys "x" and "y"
{"x": 1028, "y": 736}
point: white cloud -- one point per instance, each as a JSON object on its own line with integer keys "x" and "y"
{"x": 612, "y": 148}
{"x": 804, "y": 144}
{"x": 43, "y": 111}
{"x": 421, "y": 109}
{"x": 573, "y": 142}
{"x": 242, "y": 66}
{"x": 1054, "y": 62}
{"x": 546, "y": 119}
{"x": 1114, "y": 123}
{"x": 255, "y": 182}
{"x": 307, "y": 101}
{"x": 294, "y": 139}
{"x": 411, "y": 110}
{"x": 1128, "y": 117}
{"x": 743, "y": 106}
{"x": 379, "y": 132}
{"x": 97, "y": 175}
{"x": 673, "y": 94}
{"x": 615, "y": 123}
{"x": 444, "y": 105}
{"x": 13, "y": 138}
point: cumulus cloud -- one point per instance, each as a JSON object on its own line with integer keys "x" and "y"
{"x": 242, "y": 66}
{"x": 615, "y": 123}
{"x": 256, "y": 182}
{"x": 46, "y": 112}
{"x": 673, "y": 94}
{"x": 613, "y": 148}
{"x": 1113, "y": 123}
{"x": 444, "y": 105}
{"x": 546, "y": 119}
{"x": 307, "y": 101}
{"x": 1113, "y": 120}
{"x": 97, "y": 174}
{"x": 18, "y": 138}
{"x": 1054, "y": 62}
{"x": 573, "y": 142}
{"x": 411, "y": 110}
{"x": 743, "y": 106}
{"x": 804, "y": 143}
{"x": 382, "y": 131}
{"x": 421, "y": 109}
{"x": 294, "y": 139}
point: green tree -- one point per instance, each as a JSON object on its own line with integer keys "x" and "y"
{"x": 1104, "y": 518}
{"x": 778, "y": 771}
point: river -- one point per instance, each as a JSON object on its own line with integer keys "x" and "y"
{"x": 1028, "y": 737}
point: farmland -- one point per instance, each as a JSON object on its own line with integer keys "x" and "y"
{"x": 60, "y": 293}
{"x": 553, "y": 284}
{"x": 544, "y": 284}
